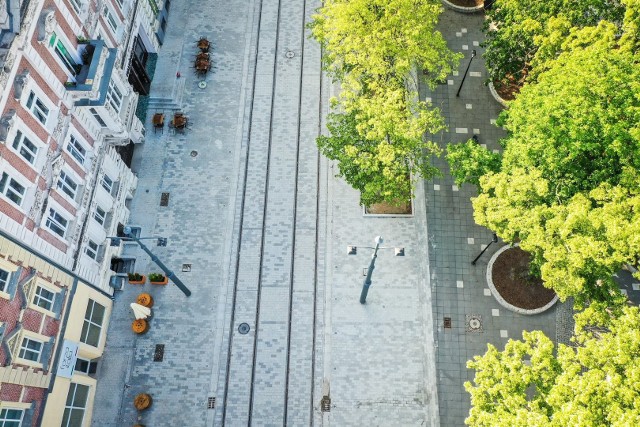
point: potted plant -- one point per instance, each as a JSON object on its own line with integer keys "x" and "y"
{"x": 82, "y": 40}
{"x": 137, "y": 279}
{"x": 158, "y": 279}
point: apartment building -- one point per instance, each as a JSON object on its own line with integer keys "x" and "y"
{"x": 71, "y": 73}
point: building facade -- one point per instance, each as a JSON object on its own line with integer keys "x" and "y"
{"x": 71, "y": 74}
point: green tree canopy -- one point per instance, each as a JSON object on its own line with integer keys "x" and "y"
{"x": 373, "y": 47}
{"x": 567, "y": 185}
{"x": 594, "y": 383}
{"x": 517, "y": 29}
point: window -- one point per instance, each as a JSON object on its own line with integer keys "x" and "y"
{"x": 37, "y": 108}
{"x": 24, "y": 147}
{"x": 85, "y": 366}
{"x": 114, "y": 96}
{"x": 13, "y": 190}
{"x": 111, "y": 20}
{"x": 75, "y": 405}
{"x": 64, "y": 55}
{"x": 107, "y": 183}
{"x": 11, "y": 417}
{"x": 67, "y": 185}
{"x": 44, "y": 298}
{"x": 56, "y": 223}
{"x": 30, "y": 349}
{"x": 77, "y": 6}
{"x": 96, "y": 116}
{"x": 76, "y": 149}
{"x": 5, "y": 276}
{"x": 100, "y": 215}
{"x": 92, "y": 323}
{"x": 91, "y": 249}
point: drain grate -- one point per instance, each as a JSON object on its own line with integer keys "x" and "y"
{"x": 474, "y": 323}
{"x": 158, "y": 355}
{"x": 325, "y": 404}
{"x": 194, "y": 153}
{"x": 186, "y": 268}
{"x": 164, "y": 199}
{"x": 447, "y": 322}
{"x": 244, "y": 328}
{"x": 211, "y": 403}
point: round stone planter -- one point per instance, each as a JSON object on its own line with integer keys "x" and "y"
{"x": 462, "y": 9}
{"x": 501, "y": 300}
{"x": 495, "y": 95}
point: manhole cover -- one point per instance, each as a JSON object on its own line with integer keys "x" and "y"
{"x": 290, "y": 54}
{"x": 186, "y": 268}
{"x": 158, "y": 354}
{"x": 474, "y": 323}
{"x": 447, "y": 322}
{"x": 244, "y": 328}
{"x": 194, "y": 153}
{"x": 211, "y": 403}
{"x": 164, "y": 199}
{"x": 202, "y": 84}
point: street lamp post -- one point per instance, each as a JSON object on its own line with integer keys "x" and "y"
{"x": 165, "y": 270}
{"x": 494, "y": 240}
{"x": 473, "y": 55}
{"x": 352, "y": 250}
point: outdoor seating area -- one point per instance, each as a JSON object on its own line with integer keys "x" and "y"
{"x": 202, "y": 63}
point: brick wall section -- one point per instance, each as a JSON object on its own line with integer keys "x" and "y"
{"x": 33, "y": 394}
{"x": 11, "y": 211}
{"x": 118, "y": 11}
{"x": 31, "y": 320}
{"x": 69, "y": 160}
{"x": 10, "y": 312}
{"x": 51, "y": 326}
{"x": 107, "y": 29}
{"x": 30, "y": 224}
{"x": 79, "y": 128}
{"x": 3, "y": 357}
{"x": 18, "y": 162}
{"x": 62, "y": 200}
{"x": 10, "y": 392}
{"x": 52, "y": 239}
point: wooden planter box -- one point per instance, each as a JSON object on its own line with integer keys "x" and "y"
{"x": 164, "y": 282}
{"x": 139, "y": 282}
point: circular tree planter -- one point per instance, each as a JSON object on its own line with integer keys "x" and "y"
{"x": 464, "y": 6}
{"x": 510, "y": 284}
{"x": 495, "y": 95}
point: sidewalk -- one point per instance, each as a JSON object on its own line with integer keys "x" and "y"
{"x": 459, "y": 288}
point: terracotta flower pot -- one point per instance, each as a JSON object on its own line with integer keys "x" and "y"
{"x": 163, "y": 282}
{"x": 139, "y": 282}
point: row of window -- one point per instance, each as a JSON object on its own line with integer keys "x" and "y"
{"x": 74, "y": 409}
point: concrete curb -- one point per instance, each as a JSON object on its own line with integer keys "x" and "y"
{"x": 495, "y": 95}
{"x": 501, "y": 300}
{"x": 462, "y": 9}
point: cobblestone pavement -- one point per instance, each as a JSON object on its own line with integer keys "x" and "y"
{"x": 460, "y": 290}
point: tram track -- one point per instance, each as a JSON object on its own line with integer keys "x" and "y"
{"x": 271, "y": 201}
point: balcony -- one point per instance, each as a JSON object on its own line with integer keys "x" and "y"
{"x": 93, "y": 76}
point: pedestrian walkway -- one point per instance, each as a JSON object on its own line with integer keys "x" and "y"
{"x": 460, "y": 291}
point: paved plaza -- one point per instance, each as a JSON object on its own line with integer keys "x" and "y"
{"x": 263, "y": 225}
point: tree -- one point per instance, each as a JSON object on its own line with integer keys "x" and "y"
{"x": 567, "y": 179}
{"x": 594, "y": 383}
{"x": 523, "y": 33}
{"x": 373, "y": 47}
{"x": 469, "y": 161}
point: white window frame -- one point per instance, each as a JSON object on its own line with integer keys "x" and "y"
{"x": 39, "y": 298}
{"x": 91, "y": 304}
{"x": 73, "y": 148}
{"x": 98, "y": 118}
{"x": 67, "y": 185}
{"x": 91, "y": 252}
{"x": 20, "y": 145}
{"x": 5, "y": 278}
{"x": 8, "y": 188}
{"x": 113, "y": 22}
{"x": 78, "y": 6}
{"x": 37, "y": 107}
{"x": 108, "y": 186}
{"x": 73, "y": 388}
{"x": 24, "y": 349}
{"x": 100, "y": 219}
{"x": 51, "y": 219}
{"x": 4, "y": 420}
{"x": 56, "y": 38}
{"x": 115, "y": 96}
